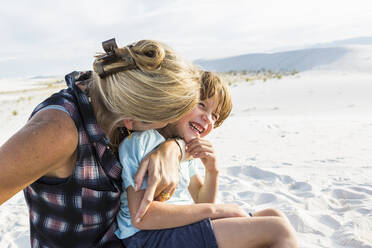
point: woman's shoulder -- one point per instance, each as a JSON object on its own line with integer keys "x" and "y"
{"x": 64, "y": 100}
{"x": 46, "y": 144}
{"x": 56, "y": 122}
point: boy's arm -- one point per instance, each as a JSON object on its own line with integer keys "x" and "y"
{"x": 204, "y": 192}
{"x": 161, "y": 215}
{"x": 207, "y": 191}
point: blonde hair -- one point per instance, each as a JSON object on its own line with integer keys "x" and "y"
{"x": 162, "y": 87}
{"x": 213, "y": 86}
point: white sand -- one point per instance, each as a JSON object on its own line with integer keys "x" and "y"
{"x": 301, "y": 144}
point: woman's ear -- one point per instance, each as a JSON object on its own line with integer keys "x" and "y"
{"x": 128, "y": 124}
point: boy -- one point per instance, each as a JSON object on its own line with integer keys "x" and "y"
{"x": 178, "y": 222}
{"x": 214, "y": 107}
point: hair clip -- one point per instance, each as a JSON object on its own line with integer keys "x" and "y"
{"x": 109, "y": 46}
{"x": 123, "y": 59}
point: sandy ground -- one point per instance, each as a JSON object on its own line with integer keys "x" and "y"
{"x": 301, "y": 144}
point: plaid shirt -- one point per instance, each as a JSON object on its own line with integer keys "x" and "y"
{"x": 81, "y": 211}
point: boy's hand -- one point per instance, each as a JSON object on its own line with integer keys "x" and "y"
{"x": 203, "y": 149}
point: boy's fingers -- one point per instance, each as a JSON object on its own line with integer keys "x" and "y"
{"x": 199, "y": 148}
{"x": 198, "y": 142}
{"x": 195, "y": 140}
{"x": 203, "y": 155}
{"x": 190, "y": 146}
{"x": 141, "y": 172}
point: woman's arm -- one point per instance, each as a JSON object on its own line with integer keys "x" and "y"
{"x": 161, "y": 215}
{"x": 44, "y": 146}
{"x": 162, "y": 168}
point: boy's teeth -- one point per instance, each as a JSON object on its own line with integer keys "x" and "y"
{"x": 195, "y": 128}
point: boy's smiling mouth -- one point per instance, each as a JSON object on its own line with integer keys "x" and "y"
{"x": 197, "y": 127}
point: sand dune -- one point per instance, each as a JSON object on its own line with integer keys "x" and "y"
{"x": 338, "y": 57}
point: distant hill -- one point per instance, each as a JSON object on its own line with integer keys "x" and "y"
{"x": 351, "y": 55}
{"x": 353, "y": 41}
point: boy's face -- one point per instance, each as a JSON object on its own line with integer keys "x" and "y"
{"x": 199, "y": 122}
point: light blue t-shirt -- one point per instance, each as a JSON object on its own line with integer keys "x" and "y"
{"x": 131, "y": 153}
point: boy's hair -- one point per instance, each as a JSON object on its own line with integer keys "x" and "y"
{"x": 213, "y": 86}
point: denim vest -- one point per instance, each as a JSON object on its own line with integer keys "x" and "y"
{"x": 81, "y": 210}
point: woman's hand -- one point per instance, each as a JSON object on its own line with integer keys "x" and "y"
{"x": 161, "y": 166}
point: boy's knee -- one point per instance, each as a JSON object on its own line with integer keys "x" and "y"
{"x": 270, "y": 212}
{"x": 275, "y": 212}
{"x": 285, "y": 234}
{"x": 288, "y": 242}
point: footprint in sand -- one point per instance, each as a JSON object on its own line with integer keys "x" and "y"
{"x": 330, "y": 221}
{"x": 265, "y": 198}
{"x": 258, "y": 174}
{"x": 301, "y": 186}
{"x": 246, "y": 195}
{"x": 302, "y": 189}
{"x": 234, "y": 170}
{"x": 305, "y": 224}
{"x": 354, "y": 234}
{"x": 347, "y": 194}
{"x": 364, "y": 190}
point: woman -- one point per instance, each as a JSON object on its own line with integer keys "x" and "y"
{"x": 64, "y": 157}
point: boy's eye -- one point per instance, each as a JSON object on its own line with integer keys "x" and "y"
{"x": 215, "y": 116}
{"x": 201, "y": 104}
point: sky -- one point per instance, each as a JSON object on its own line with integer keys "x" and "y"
{"x": 43, "y": 37}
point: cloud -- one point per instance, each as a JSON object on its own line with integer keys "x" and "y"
{"x": 39, "y": 31}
